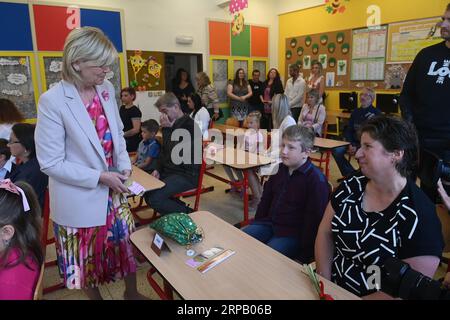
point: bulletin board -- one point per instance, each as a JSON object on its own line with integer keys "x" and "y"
{"x": 146, "y": 70}
{"x": 18, "y": 81}
{"x": 332, "y": 49}
{"x": 51, "y": 68}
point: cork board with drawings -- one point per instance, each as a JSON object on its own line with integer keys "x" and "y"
{"x": 332, "y": 49}
{"x": 18, "y": 83}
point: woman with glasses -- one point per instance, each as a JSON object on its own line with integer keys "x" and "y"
{"x": 80, "y": 145}
{"x": 22, "y": 147}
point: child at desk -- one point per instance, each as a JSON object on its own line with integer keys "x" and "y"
{"x": 252, "y": 142}
{"x": 149, "y": 147}
{"x": 293, "y": 201}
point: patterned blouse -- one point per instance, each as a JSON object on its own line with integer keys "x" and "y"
{"x": 408, "y": 227}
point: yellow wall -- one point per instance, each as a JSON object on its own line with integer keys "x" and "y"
{"x": 317, "y": 20}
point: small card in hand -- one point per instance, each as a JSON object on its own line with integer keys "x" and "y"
{"x": 134, "y": 187}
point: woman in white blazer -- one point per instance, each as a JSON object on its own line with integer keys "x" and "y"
{"x": 80, "y": 146}
{"x": 313, "y": 112}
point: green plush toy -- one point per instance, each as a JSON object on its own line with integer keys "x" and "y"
{"x": 179, "y": 227}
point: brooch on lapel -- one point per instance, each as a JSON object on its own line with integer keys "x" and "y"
{"x": 105, "y": 95}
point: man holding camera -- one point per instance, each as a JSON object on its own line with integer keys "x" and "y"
{"x": 425, "y": 98}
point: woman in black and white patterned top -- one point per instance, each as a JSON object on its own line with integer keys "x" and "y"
{"x": 378, "y": 213}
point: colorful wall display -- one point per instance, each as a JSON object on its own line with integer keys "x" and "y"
{"x": 51, "y": 25}
{"x": 146, "y": 70}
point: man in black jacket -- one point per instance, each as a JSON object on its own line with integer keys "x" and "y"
{"x": 425, "y": 98}
{"x": 180, "y": 159}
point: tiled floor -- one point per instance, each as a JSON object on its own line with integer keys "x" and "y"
{"x": 226, "y": 206}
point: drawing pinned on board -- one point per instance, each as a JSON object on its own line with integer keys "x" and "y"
{"x": 17, "y": 78}
{"x": 288, "y": 54}
{"x": 335, "y": 6}
{"x": 238, "y": 24}
{"x": 342, "y": 68}
{"x": 340, "y": 37}
{"x": 308, "y": 41}
{"x": 147, "y": 69}
{"x": 55, "y": 66}
{"x": 330, "y": 77}
{"x": 323, "y": 59}
{"x": 324, "y": 39}
{"x": 15, "y": 93}
{"x": 300, "y": 51}
{"x": 307, "y": 62}
{"x": 8, "y": 62}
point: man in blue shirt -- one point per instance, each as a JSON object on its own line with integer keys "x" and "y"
{"x": 6, "y": 164}
{"x": 357, "y": 119}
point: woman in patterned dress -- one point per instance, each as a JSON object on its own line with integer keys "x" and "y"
{"x": 378, "y": 213}
{"x": 80, "y": 146}
{"x": 239, "y": 91}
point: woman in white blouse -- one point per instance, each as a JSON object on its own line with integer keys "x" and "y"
{"x": 199, "y": 113}
{"x": 313, "y": 112}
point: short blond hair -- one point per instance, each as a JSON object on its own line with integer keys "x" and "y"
{"x": 255, "y": 115}
{"x": 86, "y": 44}
{"x": 370, "y": 92}
{"x": 302, "y": 134}
{"x": 168, "y": 99}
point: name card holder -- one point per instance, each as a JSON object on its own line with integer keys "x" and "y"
{"x": 158, "y": 244}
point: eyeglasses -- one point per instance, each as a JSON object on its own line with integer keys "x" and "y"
{"x": 13, "y": 142}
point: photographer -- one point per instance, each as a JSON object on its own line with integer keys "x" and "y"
{"x": 425, "y": 98}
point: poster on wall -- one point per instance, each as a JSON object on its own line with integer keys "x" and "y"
{"x": 406, "y": 39}
{"x": 53, "y": 69}
{"x": 146, "y": 70}
{"x": 16, "y": 83}
{"x": 220, "y": 78}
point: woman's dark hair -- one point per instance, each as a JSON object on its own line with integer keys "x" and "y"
{"x": 197, "y": 100}
{"x": 177, "y": 80}
{"x": 277, "y": 85}
{"x": 131, "y": 91}
{"x": 9, "y": 112}
{"x": 237, "y": 81}
{"x": 25, "y": 135}
{"x": 395, "y": 134}
{"x": 4, "y": 149}
{"x": 27, "y": 226}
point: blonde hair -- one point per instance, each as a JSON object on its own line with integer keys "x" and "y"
{"x": 86, "y": 44}
{"x": 280, "y": 109}
{"x": 370, "y": 92}
{"x": 203, "y": 79}
{"x": 302, "y": 134}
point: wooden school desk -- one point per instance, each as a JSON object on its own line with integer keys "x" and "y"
{"x": 326, "y": 146}
{"x": 255, "y": 271}
{"x": 241, "y": 160}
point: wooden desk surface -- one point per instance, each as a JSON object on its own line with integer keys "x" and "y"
{"x": 145, "y": 179}
{"x": 238, "y": 159}
{"x": 255, "y": 271}
{"x": 339, "y": 114}
{"x": 232, "y": 130}
{"x": 329, "y": 143}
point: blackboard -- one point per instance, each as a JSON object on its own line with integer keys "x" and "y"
{"x": 52, "y": 65}
{"x": 16, "y": 83}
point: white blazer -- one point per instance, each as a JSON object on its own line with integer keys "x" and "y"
{"x": 69, "y": 152}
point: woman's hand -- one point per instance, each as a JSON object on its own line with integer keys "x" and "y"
{"x": 444, "y": 195}
{"x": 156, "y": 174}
{"x": 114, "y": 181}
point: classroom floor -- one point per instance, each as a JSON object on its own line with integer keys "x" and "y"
{"x": 226, "y": 206}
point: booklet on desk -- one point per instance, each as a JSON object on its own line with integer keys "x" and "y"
{"x": 209, "y": 259}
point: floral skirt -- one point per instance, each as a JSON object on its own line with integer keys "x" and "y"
{"x": 88, "y": 257}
